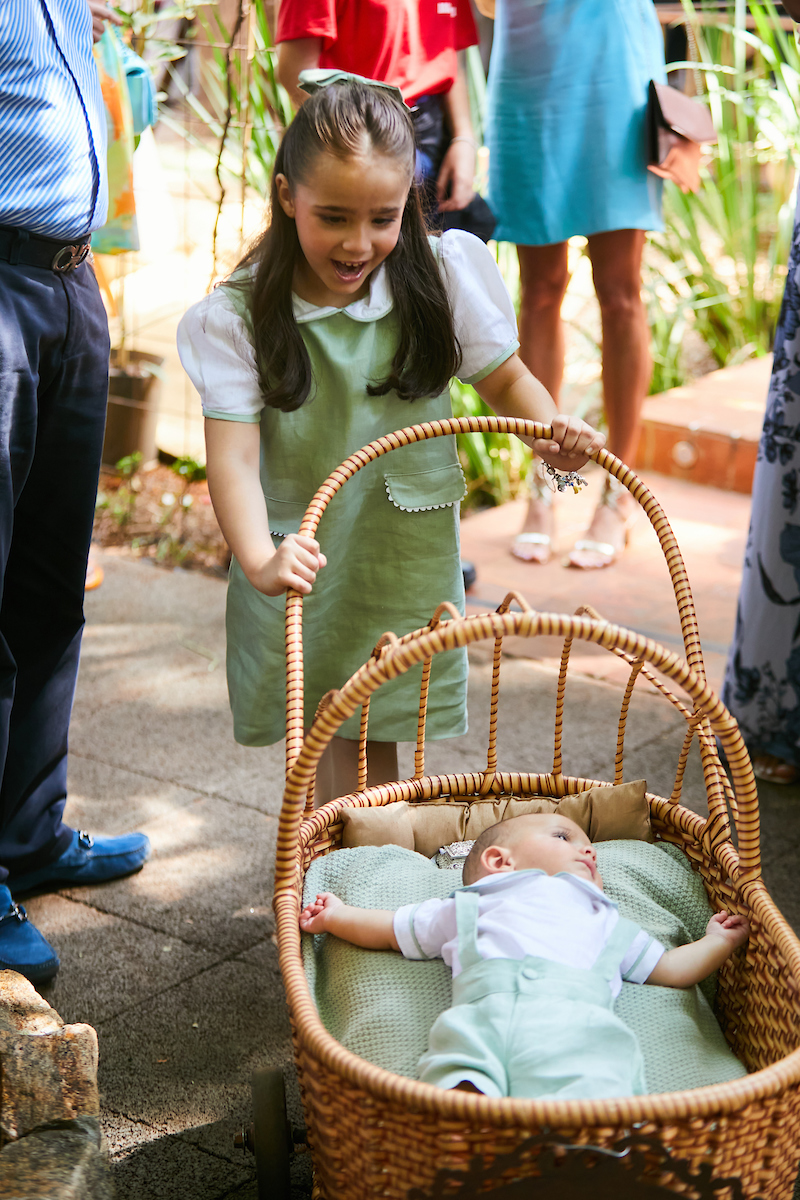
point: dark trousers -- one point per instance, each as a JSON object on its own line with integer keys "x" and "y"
{"x": 53, "y": 388}
{"x": 432, "y": 140}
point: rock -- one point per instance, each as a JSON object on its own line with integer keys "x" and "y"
{"x": 63, "y": 1161}
{"x": 49, "y": 1069}
{"x": 23, "y": 1009}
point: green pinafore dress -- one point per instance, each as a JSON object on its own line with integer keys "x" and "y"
{"x": 390, "y": 536}
{"x": 533, "y": 1028}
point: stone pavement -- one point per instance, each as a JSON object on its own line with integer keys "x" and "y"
{"x": 176, "y": 966}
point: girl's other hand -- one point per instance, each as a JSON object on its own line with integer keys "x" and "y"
{"x": 313, "y": 918}
{"x": 572, "y": 443}
{"x": 454, "y": 188}
{"x": 293, "y": 565}
{"x": 733, "y": 929}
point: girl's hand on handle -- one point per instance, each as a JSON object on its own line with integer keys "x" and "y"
{"x": 233, "y": 456}
{"x": 293, "y": 565}
{"x": 572, "y": 444}
{"x": 512, "y": 391}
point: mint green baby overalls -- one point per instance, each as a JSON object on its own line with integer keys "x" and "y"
{"x": 390, "y": 536}
{"x": 531, "y": 1027}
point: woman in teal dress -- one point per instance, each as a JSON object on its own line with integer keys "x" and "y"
{"x": 566, "y": 133}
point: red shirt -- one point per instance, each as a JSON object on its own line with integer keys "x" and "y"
{"x": 409, "y": 43}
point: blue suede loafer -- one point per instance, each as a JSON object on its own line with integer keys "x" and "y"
{"x": 22, "y": 947}
{"x": 87, "y": 860}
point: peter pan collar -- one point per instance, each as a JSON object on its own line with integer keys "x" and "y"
{"x": 377, "y": 303}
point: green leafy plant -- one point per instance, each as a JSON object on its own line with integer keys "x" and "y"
{"x": 189, "y": 470}
{"x": 124, "y": 503}
{"x": 495, "y": 464}
{"x": 727, "y": 246}
{"x": 244, "y": 111}
{"x": 140, "y": 21}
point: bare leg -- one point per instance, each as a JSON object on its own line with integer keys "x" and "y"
{"x": 544, "y": 276}
{"x": 337, "y": 773}
{"x": 616, "y": 267}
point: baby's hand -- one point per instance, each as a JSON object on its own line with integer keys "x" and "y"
{"x": 313, "y": 918}
{"x": 731, "y": 928}
{"x": 572, "y": 443}
{"x": 294, "y": 564}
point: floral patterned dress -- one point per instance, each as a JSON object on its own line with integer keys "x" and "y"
{"x": 762, "y": 681}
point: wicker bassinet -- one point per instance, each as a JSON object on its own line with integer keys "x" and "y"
{"x": 375, "y": 1134}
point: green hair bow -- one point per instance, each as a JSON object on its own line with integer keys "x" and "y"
{"x": 315, "y": 78}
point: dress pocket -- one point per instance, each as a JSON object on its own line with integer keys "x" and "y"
{"x": 285, "y": 515}
{"x": 440, "y": 487}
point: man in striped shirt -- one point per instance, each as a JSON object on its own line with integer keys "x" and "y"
{"x": 53, "y": 386}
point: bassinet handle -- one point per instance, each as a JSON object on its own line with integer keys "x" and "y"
{"x": 444, "y": 428}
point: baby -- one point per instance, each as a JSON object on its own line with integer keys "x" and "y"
{"x": 538, "y": 955}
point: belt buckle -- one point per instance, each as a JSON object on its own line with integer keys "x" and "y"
{"x": 75, "y": 256}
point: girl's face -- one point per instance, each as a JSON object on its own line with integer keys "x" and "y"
{"x": 348, "y": 214}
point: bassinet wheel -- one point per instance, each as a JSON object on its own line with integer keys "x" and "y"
{"x": 272, "y": 1135}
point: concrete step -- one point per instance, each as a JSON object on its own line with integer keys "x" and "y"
{"x": 708, "y": 431}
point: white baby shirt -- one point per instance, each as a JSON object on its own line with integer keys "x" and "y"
{"x": 559, "y": 917}
{"x": 218, "y": 357}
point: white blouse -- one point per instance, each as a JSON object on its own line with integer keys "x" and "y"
{"x": 218, "y": 356}
{"x": 559, "y": 917}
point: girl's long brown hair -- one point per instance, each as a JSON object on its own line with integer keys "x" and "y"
{"x": 338, "y": 119}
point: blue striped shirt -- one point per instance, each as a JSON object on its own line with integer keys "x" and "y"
{"x": 52, "y": 120}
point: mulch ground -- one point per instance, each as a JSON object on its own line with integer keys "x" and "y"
{"x": 155, "y": 515}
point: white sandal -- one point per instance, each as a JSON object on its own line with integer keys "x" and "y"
{"x": 607, "y": 551}
{"x": 539, "y": 491}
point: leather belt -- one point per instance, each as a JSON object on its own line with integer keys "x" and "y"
{"x": 19, "y": 247}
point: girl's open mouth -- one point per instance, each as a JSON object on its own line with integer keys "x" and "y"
{"x": 348, "y": 272}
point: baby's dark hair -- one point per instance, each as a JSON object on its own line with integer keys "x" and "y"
{"x": 501, "y": 834}
{"x": 342, "y": 119}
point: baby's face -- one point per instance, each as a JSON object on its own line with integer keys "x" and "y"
{"x": 551, "y": 843}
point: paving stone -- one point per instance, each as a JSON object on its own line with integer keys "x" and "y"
{"x": 778, "y": 811}
{"x": 780, "y": 876}
{"x": 657, "y": 761}
{"x": 111, "y": 800}
{"x": 122, "y": 1135}
{"x": 63, "y": 1162}
{"x": 187, "y": 1061}
{"x": 170, "y": 737}
{"x": 208, "y": 882}
{"x": 146, "y": 698}
{"x": 526, "y": 723}
{"x": 109, "y": 964}
{"x": 171, "y": 1169}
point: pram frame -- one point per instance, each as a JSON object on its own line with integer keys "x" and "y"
{"x": 375, "y": 1133}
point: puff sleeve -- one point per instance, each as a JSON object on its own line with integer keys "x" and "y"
{"x": 218, "y": 357}
{"x": 484, "y": 318}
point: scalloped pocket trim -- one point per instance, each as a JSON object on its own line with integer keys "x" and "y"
{"x": 424, "y": 491}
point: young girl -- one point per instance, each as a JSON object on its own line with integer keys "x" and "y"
{"x": 538, "y": 955}
{"x": 346, "y": 321}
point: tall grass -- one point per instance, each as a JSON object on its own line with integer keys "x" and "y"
{"x": 244, "y": 137}
{"x": 720, "y": 264}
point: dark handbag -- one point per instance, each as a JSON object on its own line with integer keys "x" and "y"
{"x": 676, "y": 126}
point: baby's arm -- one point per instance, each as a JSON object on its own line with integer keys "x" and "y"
{"x": 511, "y": 391}
{"x": 372, "y": 928}
{"x": 686, "y": 965}
{"x": 233, "y": 451}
